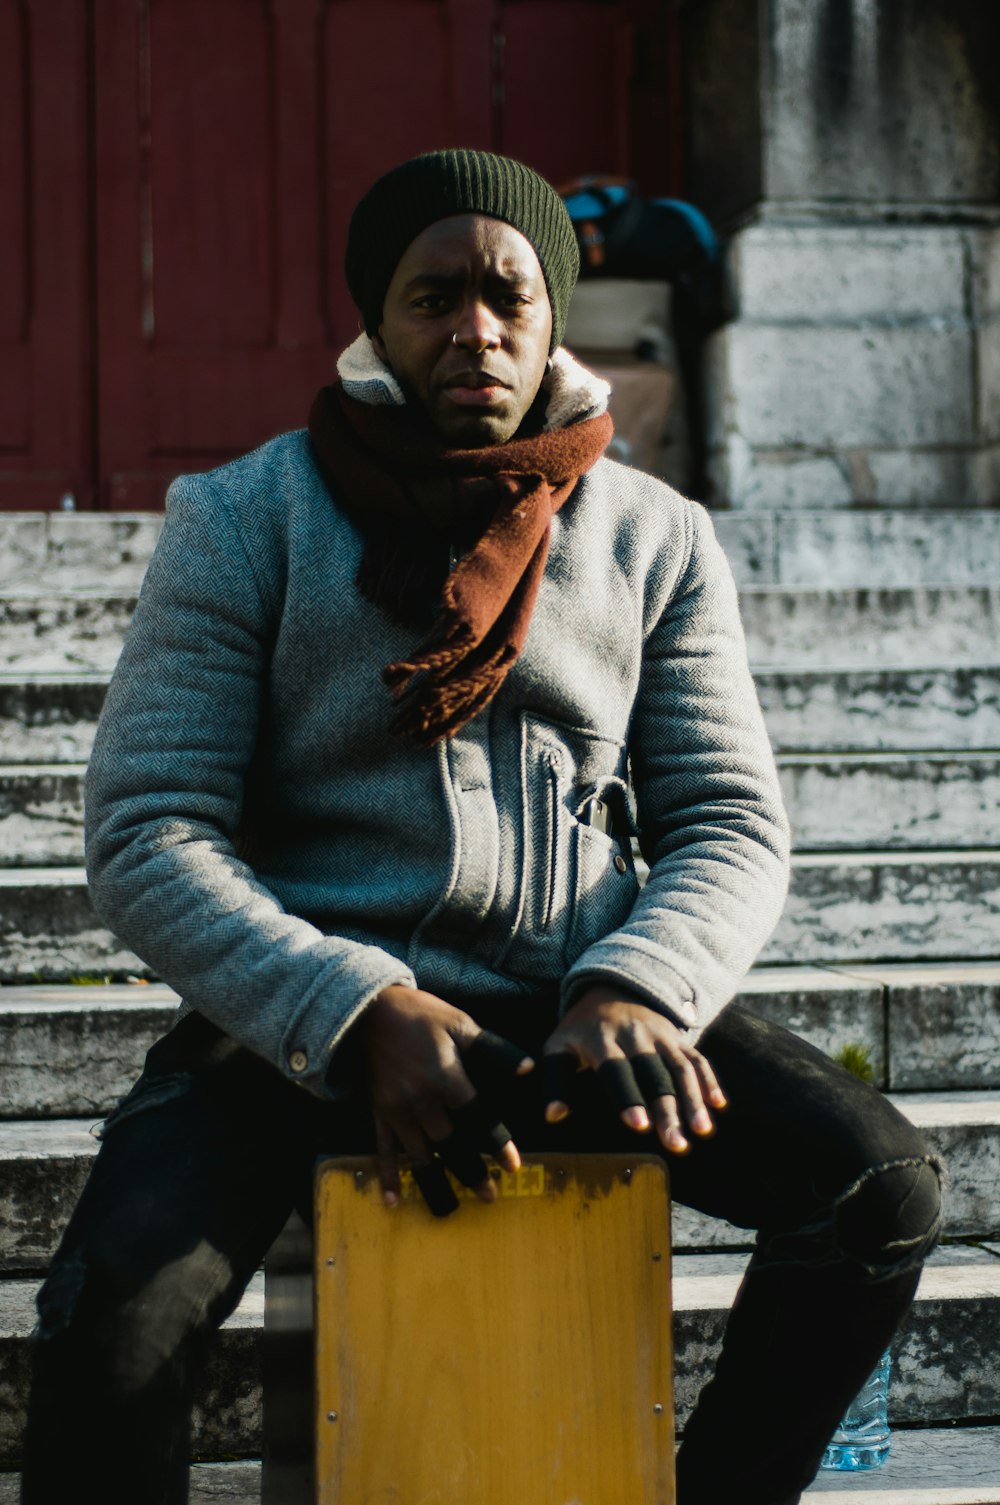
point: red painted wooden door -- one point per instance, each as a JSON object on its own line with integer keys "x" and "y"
{"x": 175, "y": 296}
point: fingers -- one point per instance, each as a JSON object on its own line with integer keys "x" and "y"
{"x": 490, "y": 1061}
{"x": 435, "y": 1187}
{"x": 647, "y": 1068}
{"x": 454, "y": 1126}
{"x": 710, "y": 1084}
{"x": 657, "y": 1087}
{"x": 475, "y": 1122}
{"x": 620, "y": 1087}
{"x": 651, "y": 1076}
{"x": 476, "y": 1129}
{"x": 561, "y": 1067}
{"x": 388, "y": 1163}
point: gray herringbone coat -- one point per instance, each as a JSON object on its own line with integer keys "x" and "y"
{"x": 248, "y": 696}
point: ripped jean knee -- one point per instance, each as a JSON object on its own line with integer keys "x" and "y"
{"x": 881, "y": 1226}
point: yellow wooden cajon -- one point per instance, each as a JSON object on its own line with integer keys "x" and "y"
{"x": 512, "y": 1354}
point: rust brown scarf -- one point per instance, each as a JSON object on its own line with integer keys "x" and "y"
{"x": 414, "y": 500}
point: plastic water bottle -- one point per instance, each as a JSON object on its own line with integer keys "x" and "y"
{"x": 862, "y": 1439}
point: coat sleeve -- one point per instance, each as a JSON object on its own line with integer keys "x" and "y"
{"x": 712, "y": 822}
{"x": 164, "y": 797}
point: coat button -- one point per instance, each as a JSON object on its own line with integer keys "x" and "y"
{"x": 298, "y": 1061}
{"x": 621, "y": 864}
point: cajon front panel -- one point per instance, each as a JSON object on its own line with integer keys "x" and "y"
{"x": 512, "y": 1354}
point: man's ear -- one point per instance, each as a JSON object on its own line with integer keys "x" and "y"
{"x": 378, "y": 344}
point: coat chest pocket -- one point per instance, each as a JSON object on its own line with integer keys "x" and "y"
{"x": 575, "y": 881}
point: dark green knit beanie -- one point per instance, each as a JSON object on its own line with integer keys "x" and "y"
{"x": 418, "y": 193}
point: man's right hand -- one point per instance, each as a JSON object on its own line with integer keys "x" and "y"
{"x": 424, "y": 1098}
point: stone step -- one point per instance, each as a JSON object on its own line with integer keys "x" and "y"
{"x": 837, "y": 802}
{"x": 843, "y": 907}
{"x": 882, "y": 710}
{"x": 58, "y": 551}
{"x": 927, "y": 1026}
{"x": 49, "y": 931}
{"x": 787, "y": 627}
{"x": 77, "y": 633}
{"x": 76, "y": 1050}
{"x": 227, "y": 1411}
{"x": 858, "y": 627}
{"x": 963, "y": 1129}
{"x": 851, "y": 801}
{"x": 804, "y": 546}
{"x": 211, "y": 1484}
{"x": 50, "y": 718}
{"x": 926, "y": 1466}
{"x": 942, "y": 1372}
{"x": 44, "y": 1164}
{"x": 943, "y": 1368}
{"x": 41, "y": 814}
{"x": 72, "y": 1051}
{"x": 854, "y": 547}
{"x": 942, "y": 1022}
{"x": 889, "y": 906}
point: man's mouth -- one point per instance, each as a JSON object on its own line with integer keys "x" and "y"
{"x": 475, "y": 388}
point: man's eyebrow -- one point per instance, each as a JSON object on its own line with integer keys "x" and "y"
{"x": 446, "y": 281}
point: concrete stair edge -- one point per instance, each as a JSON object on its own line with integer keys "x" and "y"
{"x": 44, "y": 1163}
{"x": 837, "y": 801}
{"x": 926, "y": 1466}
{"x": 938, "y": 1375}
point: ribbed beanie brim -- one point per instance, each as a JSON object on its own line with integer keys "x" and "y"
{"x": 438, "y": 184}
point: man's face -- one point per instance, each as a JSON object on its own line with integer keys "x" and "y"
{"x": 466, "y": 327}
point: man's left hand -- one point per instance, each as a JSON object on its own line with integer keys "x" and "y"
{"x": 652, "y": 1073}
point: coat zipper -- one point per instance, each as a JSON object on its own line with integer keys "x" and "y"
{"x": 552, "y": 766}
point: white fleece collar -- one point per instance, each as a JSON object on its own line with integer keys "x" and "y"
{"x": 574, "y": 392}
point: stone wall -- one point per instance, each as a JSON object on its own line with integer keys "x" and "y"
{"x": 853, "y": 149}
{"x": 863, "y": 367}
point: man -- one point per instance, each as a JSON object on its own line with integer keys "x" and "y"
{"x": 361, "y": 792}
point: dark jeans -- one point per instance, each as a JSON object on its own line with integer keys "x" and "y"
{"x": 201, "y": 1165}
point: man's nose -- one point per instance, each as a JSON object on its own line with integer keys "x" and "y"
{"x": 478, "y": 327}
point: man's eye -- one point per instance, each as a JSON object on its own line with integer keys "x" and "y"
{"x": 431, "y": 302}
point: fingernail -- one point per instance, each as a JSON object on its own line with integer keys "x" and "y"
{"x": 512, "y": 1159}
{"x": 701, "y": 1123}
{"x": 486, "y": 1191}
{"x": 526, "y": 1065}
{"x": 720, "y": 1100}
{"x": 556, "y": 1112}
{"x": 636, "y": 1118}
{"x": 678, "y": 1142}
{"x": 390, "y": 1198}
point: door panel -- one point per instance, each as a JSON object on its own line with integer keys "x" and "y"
{"x": 45, "y": 344}
{"x": 210, "y": 333}
{"x": 209, "y": 173}
{"x": 565, "y": 101}
{"x": 386, "y": 103}
{"x": 591, "y": 86}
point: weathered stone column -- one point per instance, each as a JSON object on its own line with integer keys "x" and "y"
{"x": 852, "y": 149}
